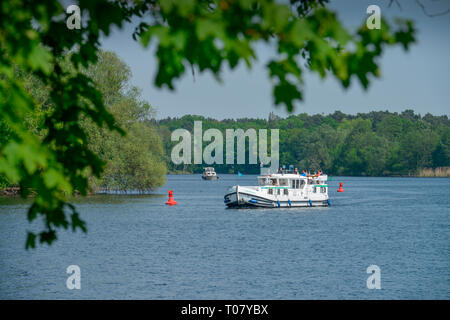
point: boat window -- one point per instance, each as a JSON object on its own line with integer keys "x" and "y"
{"x": 286, "y": 191}
{"x": 314, "y": 189}
{"x": 292, "y": 186}
{"x": 279, "y": 191}
{"x": 270, "y": 191}
{"x": 302, "y": 184}
{"x": 297, "y": 184}
{"x": 273, "y": 182}
{"x": 284, "y": 182}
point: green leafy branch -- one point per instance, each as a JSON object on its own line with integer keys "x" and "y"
{"x": 206, "y": 34}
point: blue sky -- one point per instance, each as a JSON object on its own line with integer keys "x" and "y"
{"x": 417, "y": 79}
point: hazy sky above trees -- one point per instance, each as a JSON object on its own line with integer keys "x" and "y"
{"x": 418, "y": 79}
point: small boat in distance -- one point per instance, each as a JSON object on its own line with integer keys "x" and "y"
{"x": 209, "y": 174}
{"x": 287, "y": 188}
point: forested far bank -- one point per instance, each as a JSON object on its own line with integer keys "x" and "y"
{"x": 378, "y": 143}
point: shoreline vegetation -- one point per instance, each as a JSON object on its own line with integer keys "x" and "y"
{"x": 131, "y": 161}
{"x": 377, "y": 143}
{"x": 441, "y": 172}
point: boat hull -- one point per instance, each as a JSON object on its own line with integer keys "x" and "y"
{"x": 239, "y": 199}
{"x": 210, "y": 177}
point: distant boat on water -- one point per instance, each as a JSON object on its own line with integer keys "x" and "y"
{"x": 209, "y": 174}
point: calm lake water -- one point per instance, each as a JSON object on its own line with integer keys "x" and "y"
{"x": 138, "y": 248}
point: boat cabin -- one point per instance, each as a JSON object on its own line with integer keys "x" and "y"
{"x": 293, "y": 181}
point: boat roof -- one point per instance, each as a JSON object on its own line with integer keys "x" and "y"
{"x": 293, "y": 176}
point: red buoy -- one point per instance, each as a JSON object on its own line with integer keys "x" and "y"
{"x": 171, "y": 201}
{"x": 340, "y": 187}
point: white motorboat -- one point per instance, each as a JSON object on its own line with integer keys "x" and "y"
{"x": 209, "y": 174}
{"x": 284, "y": 189}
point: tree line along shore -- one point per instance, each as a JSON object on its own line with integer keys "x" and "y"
{"x": 377, "y": 143}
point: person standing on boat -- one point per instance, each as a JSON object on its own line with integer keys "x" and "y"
{"x": 303, "y": 173}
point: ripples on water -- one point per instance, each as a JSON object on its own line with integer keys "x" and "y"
{"x": 138, "y": 248}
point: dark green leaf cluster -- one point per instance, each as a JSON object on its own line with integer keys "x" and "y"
{"x": 56, "y": 164}
{"x": 208, "y": 34}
